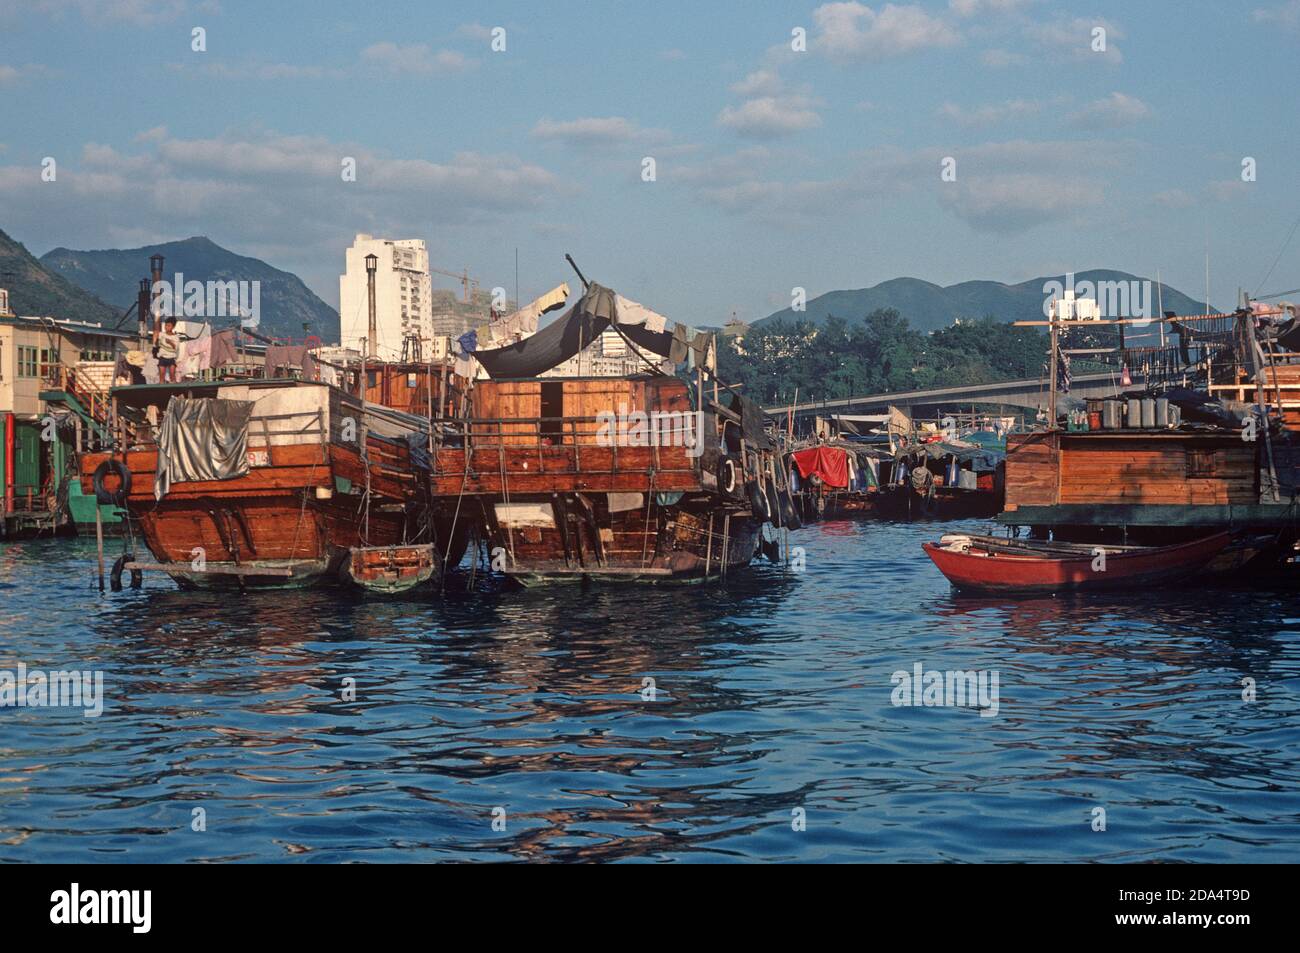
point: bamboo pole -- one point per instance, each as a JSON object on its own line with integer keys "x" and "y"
{"x": 99, "y": 543}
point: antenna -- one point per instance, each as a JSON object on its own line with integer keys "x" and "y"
{"x": 1160, "y": 306}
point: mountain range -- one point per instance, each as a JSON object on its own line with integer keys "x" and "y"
{"x": 101, "y": 286}
{"x": 929, "y": 307}
{"x": 113, "y": 275}
{"x": 34, "y": 289}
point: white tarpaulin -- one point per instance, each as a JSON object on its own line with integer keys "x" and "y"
{"x": 628, "y": 311}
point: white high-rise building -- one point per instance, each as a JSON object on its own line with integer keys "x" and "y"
{"x": 402, "y": 291}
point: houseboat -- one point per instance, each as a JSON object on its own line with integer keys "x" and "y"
{"x": 1209, "y": 445}
{"x": 260, "y": 482}
{"x": 634, "y": 477}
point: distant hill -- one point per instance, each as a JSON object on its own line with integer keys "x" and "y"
{"x": 35, "y": 290}
{"x": 114, "y": 275}
{"x": 929, "y": 307}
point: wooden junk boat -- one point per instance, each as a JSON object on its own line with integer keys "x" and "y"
{"x": 249, "y": 483}
{"x": 988, "y": 564}
{"x": 634, "y": 477}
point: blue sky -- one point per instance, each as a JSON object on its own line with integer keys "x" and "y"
{"x": 775, "y": 168}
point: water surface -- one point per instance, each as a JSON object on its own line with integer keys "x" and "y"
{"x": 773, "y": 694}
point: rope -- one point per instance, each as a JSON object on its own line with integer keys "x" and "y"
{"x": 645, "y": 521}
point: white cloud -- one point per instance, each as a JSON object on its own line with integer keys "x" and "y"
{"x": 1173, "y": 198}
{"x": 770, "y": 109}
{"x": 11, "y": 76}
{"x": 762, "y": 82}
{"x": 999, "y": 59}
{"x": 853, "y": 31}
{"x": 1074, "y": 39}
{"x": 136, "y": 12}
{"x": 1113, "y": 111}
{"x": 475, "y": 31}
{"x": 991, "y": 113}
{"x": 970, "y": 8}
{"x": 244, "y": 70}
{"x": 769, "y": 117}
{"x": 1288, "y": 14}
{"x": 596, "y": 132}
{"x": 1016, "y": 202}
{"x": 270, "y": 191}
{"x": 415, "y": 58}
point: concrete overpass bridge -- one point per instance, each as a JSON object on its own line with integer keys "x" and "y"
{"x": 1028, "y": 394}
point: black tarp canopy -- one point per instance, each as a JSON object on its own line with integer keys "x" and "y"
{"x": 560, "y": 340}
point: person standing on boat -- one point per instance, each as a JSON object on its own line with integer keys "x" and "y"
{"x": 167, "y": 345}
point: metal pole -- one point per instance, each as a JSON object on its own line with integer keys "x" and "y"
{"x": 371, "y": 263}
{"x": 1051, "y": 400}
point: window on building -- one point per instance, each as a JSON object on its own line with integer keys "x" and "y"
{"x": 26, "y": 361}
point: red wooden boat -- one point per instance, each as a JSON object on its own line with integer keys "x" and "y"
{"x": 993, "y": 565}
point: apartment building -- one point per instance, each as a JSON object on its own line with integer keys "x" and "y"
{"x": 402, "y": 294}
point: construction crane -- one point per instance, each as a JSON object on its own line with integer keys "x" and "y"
{"x": 466, "y": 282}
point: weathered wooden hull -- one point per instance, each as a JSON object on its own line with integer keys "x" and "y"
{"x": 695, "y": 541}
{"x": 304, "y": 511}
{"x": 981, "y": 571}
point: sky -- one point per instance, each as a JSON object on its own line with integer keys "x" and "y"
{"x": 792, "y": 146}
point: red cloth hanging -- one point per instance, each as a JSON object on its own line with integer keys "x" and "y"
{"x": 831, "y": 464}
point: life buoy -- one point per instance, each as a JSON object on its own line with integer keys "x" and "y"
{"x": 727, "y": 475}
{"x": 103, "y": 494}
{"x": 115, "y": 574}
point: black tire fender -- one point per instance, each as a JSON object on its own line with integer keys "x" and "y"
{"x": 727, "y": 475}
{"x": 103, "y": 494}
{"x": 115, "y": 574}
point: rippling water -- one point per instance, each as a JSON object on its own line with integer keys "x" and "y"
{"x": 774, "y": 693}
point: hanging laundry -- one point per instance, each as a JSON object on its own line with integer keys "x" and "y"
{"x": 680, "y": 348}
{"x": 222, "y": 349}
{"x": 289, "y": 358}
{"x": 628, "y": 311}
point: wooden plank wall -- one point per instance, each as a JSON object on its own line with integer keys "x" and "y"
{"x": 1032, "y": 470}
{"x": 1206, "y": 471}
{"x": 590, "y": 398}
{"x": 507, "y": 399}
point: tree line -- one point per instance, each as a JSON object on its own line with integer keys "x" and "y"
{"x": 876, "y": 354}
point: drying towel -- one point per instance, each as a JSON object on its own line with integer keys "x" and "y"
{"x": 829, "y": 463}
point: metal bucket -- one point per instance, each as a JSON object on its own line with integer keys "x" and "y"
{"x": 1134, "y": 418}
{"x": 1148, "y": 413}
